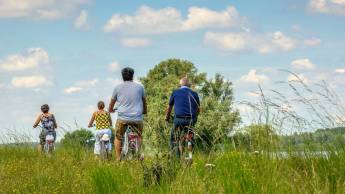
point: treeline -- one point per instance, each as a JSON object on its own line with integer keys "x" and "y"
{"x": 331, "y": 137}
{"x": 264, "y": 137}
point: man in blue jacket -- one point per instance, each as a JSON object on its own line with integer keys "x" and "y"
{"x": 186, "y": 107}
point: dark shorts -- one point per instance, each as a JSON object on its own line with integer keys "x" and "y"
{"x": 121, "y": 127}
{"x": 43, "y": 134}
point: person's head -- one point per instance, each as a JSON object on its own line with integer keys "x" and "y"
{"x": 45, "y": 108}
{"x": 100, "y": 105}
{"x": 127, "y": 74}
{"x": 184, "y": 82}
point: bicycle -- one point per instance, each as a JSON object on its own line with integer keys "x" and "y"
{"x": 130, "y": 143}
{"x": 183, "y": 140}
{"x": 49, "y": 145}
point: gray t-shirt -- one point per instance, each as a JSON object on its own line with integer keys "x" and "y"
{"x": 129, "y": 101}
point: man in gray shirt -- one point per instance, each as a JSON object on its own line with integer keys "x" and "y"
{"x": 129, "y": 98}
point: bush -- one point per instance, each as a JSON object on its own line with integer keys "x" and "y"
{"x": 80, "y": 137}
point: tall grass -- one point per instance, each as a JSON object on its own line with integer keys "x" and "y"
{"x": 24, "y": 170}
{"x": 227, "y": 170}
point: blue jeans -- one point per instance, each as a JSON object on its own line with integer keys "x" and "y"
{"x": 179, "y": 122}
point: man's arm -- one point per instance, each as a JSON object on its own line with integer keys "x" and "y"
{"x": 110, "y": 121}
{"x": 168, "y": 113}
{"x": 111, "y": 105}
{"x": 92, "y": 120}
{"x": 38, "y": 119}
{"x": 199, "y": 105}
{"x": 144, "y": 106}
{"x": 170, "y": 107}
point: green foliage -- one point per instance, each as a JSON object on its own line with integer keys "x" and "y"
{"x": 216, "y": 117}
{"x": 80, "y": 137}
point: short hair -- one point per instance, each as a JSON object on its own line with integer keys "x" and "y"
{"x": 127, "y": 74}
{"x": 100, "y": 105}
{"x": 45, "y": 108}
{"x": 184, "y": 82}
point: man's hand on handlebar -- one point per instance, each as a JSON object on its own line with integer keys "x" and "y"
{"x": 167, "y": 118}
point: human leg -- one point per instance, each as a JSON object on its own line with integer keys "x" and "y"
{"x": 42, "y": 137}
{"x": 120, "y": 129}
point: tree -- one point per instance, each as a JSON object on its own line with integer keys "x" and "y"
{"x": 217, "y": 116}
{"x": 80, "y": 137}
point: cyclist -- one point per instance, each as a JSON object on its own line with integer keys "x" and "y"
{"x": 186, "y": 107}
{"x": 48, "y": 122}
{"x": 129, "y": 98}
{"x": 103, "y": 125}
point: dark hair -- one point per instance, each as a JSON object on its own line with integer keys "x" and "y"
{"x": 127, "y": 74}
{"x": 45, "y": 108}
{"x": 100, "y": 105}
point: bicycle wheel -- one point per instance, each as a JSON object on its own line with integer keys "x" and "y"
{"x": 46, "y": 148}
{"x": 51, "y": 147}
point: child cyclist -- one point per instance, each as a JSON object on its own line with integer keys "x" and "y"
{"x": 48, "y": 123}
{"x": 103, "y": 125}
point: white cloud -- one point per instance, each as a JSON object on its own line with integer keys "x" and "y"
{"x": 298, "y": 78}
{"x": 342, "y": 2}
{"x": 72, "y": 89}
{"x": 202, "y": 17}
{"x": 114, "y": 81}
{"x": 228, "y": 41}
{"x": 336, "y": 7}
{"x": 86, "y": 83}
{"x": 31, "y": 59}
{"x": 340, "y": 70}
{"x": 135, "y": 42}
{"x": 81, "y": 21}
{"x": 81, "y": 85}
{"x": 253, "y": 77}
{"x": 39, "y": 9}
{"x": 302, "y": 64}
{"x": 263, "y": 44}
{"x": 29, "y": 81}
{"x": 244, "y": 109}
{"x": 114, "y": 66}
{"x": 340, "y": 120}
{"x": 151, "y": 21}
{"x": 146, "y": 20}
{"x": 283, "y": 42}
{"x": 312, "y": 42}
{"x": 253, "y": 94}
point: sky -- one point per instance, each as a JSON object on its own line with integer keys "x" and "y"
{"x": 69, "y": 53}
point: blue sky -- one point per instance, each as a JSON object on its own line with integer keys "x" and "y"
{"x": 69, "y": 53}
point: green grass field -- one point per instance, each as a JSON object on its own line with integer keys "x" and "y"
{"x": 24, "y": 170}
